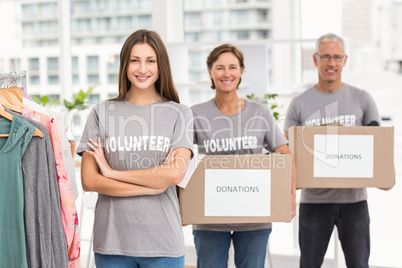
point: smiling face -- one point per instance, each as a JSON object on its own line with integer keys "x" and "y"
{"x": 143, "y": 67}
{"x": 329, "y": 72}
{"x": 226, "y": 72}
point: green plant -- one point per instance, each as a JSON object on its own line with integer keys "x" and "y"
{"x": 269, "y": 101}
{"x": 45, "y": 101}
{"x": 79, "y": 99}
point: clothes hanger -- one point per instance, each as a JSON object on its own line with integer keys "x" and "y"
{"x": 12, "y": 98}
{"x": 17, "y": 91}
{"x": 10, "y": 101}
{"x": 6, "y": 95}
{"x": 14, "y": 108}
{"x": 9, "y": 116}
{"x": 11, "y": 93}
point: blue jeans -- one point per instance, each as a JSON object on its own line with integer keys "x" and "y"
{"x": 316, "y": 223}
{"x": 121, "y": 261}
{"x": 213, "y": 248}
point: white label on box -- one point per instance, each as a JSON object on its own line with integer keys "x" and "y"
{"x": 238, "y": 192}
{"x": 344, "y": 156}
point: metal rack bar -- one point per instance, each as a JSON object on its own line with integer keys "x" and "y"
{"x": 14, "y": 79}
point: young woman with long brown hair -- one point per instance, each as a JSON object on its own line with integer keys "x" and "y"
{"x": 124, "y": 146}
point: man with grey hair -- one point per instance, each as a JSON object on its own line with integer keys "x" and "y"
{"x": 331, "y": 100}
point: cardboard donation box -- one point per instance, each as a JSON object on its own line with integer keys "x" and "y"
{"x": 343, "y": 157}
{"x": 238, "y": 189}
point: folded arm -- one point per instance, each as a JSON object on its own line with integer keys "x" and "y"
{"x": 170, "y": 173}
{"x": 94, "y": 181}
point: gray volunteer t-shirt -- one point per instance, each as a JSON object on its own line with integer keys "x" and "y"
{"x": 246, "y": 132}
{"x": 138, "y": 137}
{"x": 348, "y": 106}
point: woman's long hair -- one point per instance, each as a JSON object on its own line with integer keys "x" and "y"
{"x": 164, "y": 85}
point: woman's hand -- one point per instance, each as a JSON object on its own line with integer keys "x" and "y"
{"x": 94, "y": 181}
{"x": 98, "y": 153}
{"x": 153, "y": 191}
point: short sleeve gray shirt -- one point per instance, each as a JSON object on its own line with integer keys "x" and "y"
{"x": 348, "y": 106}
{"x": 138, "y": 137}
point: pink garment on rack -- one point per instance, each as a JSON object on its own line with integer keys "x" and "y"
{"x": 67, "y": 204}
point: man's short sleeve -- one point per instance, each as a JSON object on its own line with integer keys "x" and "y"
{"x": 370, "y": 109}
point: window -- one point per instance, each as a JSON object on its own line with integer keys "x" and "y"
{"x": 30, "y": 10}
{"x": 215, "y": 18}
{"x": 214, "y": 3}
{"x": 195, "y": 59}
{"x": 192, "y": 4}
{"x": 48, "y": 43}
{"x": 192, "y": 19}
{"x": 262, "y": 34}
{"x": 104, "y": 24}
{"x": 145, "y": 5}
{"x": 48, "y": 27}
{"x": 53, "y": 97}
{"x": 34, "y": 80}
{"x": 88, "y": 41}
{"x": 92, "y": 63}
{"x": 52, "y": 64}
{"x": 125, "y": 5}
{"x": 112, "y": 78}
{"x": 240, "y": 35}
{"x": 239, "y": 17}
{"x": 114, "y": 23}
{"x": 15, "y": 64}
{"x": 81, "y": 25}
{"x": 125, "y": 22}
{"x": 52, "y": 79}
{"x": 94, "y": 98}
{"x": 80, "y": 6}
{"x": 192, "y": 37}
{"x": 29, "y": 28}
{"x": 195, "y": 76}
{"x": 214, "y": 36}
{"x": 145, "y": 22}
{"x": 108, "y": 40}
{"x": 196, "y": 95}
{"x": 105, "y": 6}
{"x": 30, "y": 43}
{"x": 48, "y": 9}
{"x": 93, "y": 79}
{"x": 262, "y": 15}
{"x": 74, "y": 63}
{"x": 75, "y": 79}
{"x": 33, "y": 64}
{"x": 122, "y": 39}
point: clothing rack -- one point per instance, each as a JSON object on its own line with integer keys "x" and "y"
{"x": 13, "y": 79}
